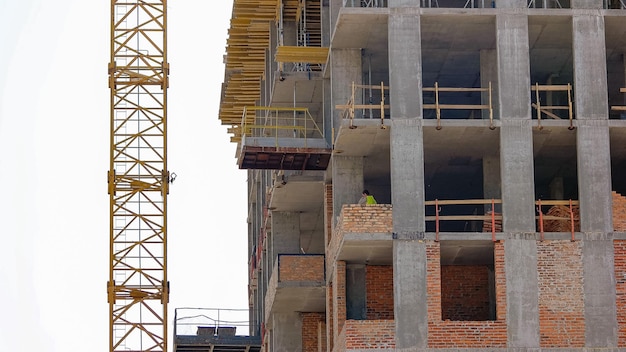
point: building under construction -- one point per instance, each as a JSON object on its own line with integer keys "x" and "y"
{"x": 492, "y": 134}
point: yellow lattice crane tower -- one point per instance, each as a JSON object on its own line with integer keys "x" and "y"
{"x": 138, "y": 178}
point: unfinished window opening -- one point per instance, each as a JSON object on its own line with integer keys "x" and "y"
{"x": 461, "y": 179}
{"x": 615, "y": 29}
{"x": 551, "y": 69}
{"x": 369, "y": 292}
{"x": 467, "y": 281}
{"x": 556, "y": 179}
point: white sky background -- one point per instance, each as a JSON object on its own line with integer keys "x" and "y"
{"x": 54, "y": 156}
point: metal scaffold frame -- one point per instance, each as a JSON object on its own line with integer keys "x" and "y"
{"x": 138, "y": 178}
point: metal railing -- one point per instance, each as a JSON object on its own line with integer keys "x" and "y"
{"x": 547, "y": 4}
{"x": 567, "y": 217}
{"x": 490, "y": 216}
{"x": 549, "y": 110}
{"x": 365, "y": 3}
{"x": 280, "y": 122}
{"x": 202, "y": 321}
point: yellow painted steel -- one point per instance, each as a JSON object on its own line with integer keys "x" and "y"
{"x": 308, "y": 54}
{"x": 138, "y": 178}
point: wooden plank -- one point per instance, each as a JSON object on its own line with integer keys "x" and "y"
{"x": 360, "y": 106}
{"x": 551, "y": 88}
{"x": 462, "y": 201}
{"x": 456, "y": 107}
{"x": 454, "y": 89}
{"x": 462, "y": 217}
{"x": 618, "y": 108}
{"x": 557, "y": 202}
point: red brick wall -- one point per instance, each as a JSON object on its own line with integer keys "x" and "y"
{"x": 619, "y": 212}
{"x": 467, "y": 334}
{"x": 328, "y": 210}
{"x": 619, "y": 247}
{"x": 498, "y": 253}
{"x": 330, "y": 318}
{"x": 311, "y": 331}
{"x": 433, "y": 280}
{"x": 365, "y": 218}
{"x": 464, "y": 334}
{"x": 301, "y": 268}
{"x": 465, "y": 292}
{"x": 561, "y": 301}
{"x": 339, "y": 297}
{"x": 367, "y": 334}
{"x": 379, "y": 292}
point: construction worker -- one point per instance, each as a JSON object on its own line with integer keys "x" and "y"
{"x": 367, "y": 198}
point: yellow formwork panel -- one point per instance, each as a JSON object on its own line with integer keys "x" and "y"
{"x": 309, "y": 54}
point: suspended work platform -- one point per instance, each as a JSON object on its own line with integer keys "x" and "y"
{"x": 280, "y": 138}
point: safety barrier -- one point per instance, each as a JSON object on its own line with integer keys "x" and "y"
{"x": 490, "y": 216}
{"x": 548, "y": 110}
{"x": 280, "y": 122}
{"x": 209, "y": 321}
{"x": 361, "y": 92}
{"x": 437, "y": 106}
{"x": 569, "y": 216}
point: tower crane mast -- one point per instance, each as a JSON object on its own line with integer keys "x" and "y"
{"x": 138, "y": 179}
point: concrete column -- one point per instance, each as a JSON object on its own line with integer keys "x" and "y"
{"x": 517, "y": 180}
{"x": 347, "y": 182}
{"x": 407, "y": 176}
{"x": 345, "y": 69}
{"x": 410, "y": 296}
{"x": 516, "y": 140}
{"x": 590, "y": 82}
{"x": 601, "y": 329}
{"x": 405, "y": 63}
{"x": 513, "y": 66}
{"x": 489, "y": 73}
{"x": 491, "y": 181}
{"x": 556, "y": 188}
{"x": 587, "y": 4}
{"x": 285, "y": 233}
{"x": 522, "y": 298}
{"x": 286, "y": 332}
{"x": 511, "y": 4}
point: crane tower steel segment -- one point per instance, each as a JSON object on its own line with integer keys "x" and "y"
{"x": 138, "y": 179}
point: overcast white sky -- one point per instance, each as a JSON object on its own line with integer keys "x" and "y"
{"x": 54, "y": 155}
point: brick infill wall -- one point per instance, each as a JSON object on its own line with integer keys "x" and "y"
{"x": 301, "y": 267}
{"x": 355, "y": 218}
{"x": 359, "y": 335}
{"x": 312, "y": 333}
{"x": 374, "y": 218}
{"x": 379, "y": 291}
{"x": 464, "y": 334}
{"x": 619, "y": 248}
{"x": 561, "y": 301}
